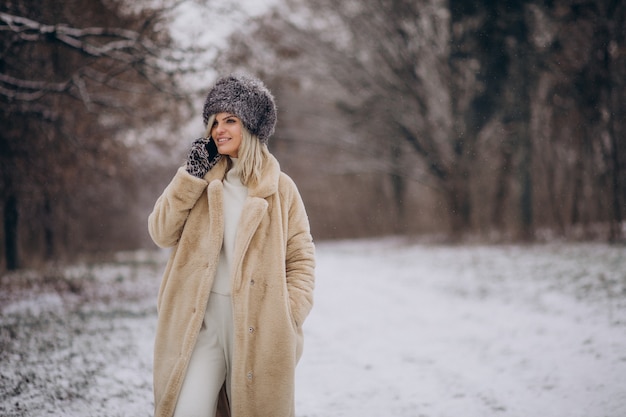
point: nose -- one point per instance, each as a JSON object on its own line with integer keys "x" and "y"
{"x": 219, "y": 127}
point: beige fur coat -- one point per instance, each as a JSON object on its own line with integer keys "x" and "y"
{"x": 272, "y": 287}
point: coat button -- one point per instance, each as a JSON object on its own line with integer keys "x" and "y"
{"x": 252, "y": 282}
{"x": 251, "y": 329}
{"x": 250, "y": 375}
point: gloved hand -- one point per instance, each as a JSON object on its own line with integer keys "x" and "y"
{"x": 202, "y": 157}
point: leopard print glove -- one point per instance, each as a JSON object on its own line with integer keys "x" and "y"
{"x": 200, "y": 160}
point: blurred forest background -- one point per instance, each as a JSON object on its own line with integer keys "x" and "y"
{"x": 490, "y": 120}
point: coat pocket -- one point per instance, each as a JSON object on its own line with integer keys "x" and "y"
{"x": 289, "y": 308}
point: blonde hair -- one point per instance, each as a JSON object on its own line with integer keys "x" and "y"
{"x": 252, "y": 154}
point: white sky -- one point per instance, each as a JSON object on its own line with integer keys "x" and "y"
{"x": 205, "y": 26}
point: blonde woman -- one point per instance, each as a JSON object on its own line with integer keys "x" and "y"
{"x": 239, "y": 281}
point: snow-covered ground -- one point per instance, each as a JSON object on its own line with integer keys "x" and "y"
{"x": 445, "y": 331}
{"x": 399, "y": 328}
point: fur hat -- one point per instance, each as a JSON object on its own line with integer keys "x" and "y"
{"x": 247, "y": 98}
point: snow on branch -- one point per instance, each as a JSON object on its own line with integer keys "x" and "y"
{"x": 128, "y": 49}
{"x": 121, "y": 45}
{"x": 33, "y": 31}
{"x": 27, "y": 90}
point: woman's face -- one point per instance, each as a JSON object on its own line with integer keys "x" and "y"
{"x": 227, "y": 134}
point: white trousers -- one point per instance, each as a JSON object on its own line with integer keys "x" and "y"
{"x": 210, "y": 363}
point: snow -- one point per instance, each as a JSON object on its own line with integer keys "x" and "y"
{"x": 413, "y": 330}
{"x": 399, "y": 328}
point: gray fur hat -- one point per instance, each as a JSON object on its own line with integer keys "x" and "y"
{"x": 247, "y": 98}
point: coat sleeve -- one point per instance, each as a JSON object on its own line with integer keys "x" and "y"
{"x": 300, "y": 259}
{"x": 165, "y": 223}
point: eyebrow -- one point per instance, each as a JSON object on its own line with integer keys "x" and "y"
{"x": 228, "y": 116}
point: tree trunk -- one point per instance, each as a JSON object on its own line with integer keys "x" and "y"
{"x": 518, "y": 113}
{"x": 11, "y": 217}
{"x": 502, "y": 187}
{"x": 459, "y": 205}
{"x": 526, "y": 186}
{"x": 48, "y": 229}
{"x": 615, "y": 233}
{"x": 615, "y": 64}
{"x": 577, "y": 194}
{"x": 398, "y": 186}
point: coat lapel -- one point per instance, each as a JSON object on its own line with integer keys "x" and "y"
{"x": 253, "y": 212}
{"x": 254, "y": 209}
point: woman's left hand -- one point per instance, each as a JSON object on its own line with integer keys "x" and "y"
{"x": 201, "y": 159}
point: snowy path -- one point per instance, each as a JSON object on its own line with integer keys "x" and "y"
{"x": 471, "y": 332}
{"x": 398, "y": 330}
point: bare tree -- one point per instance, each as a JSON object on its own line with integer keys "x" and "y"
{"x": 388, "y": 79}
{"x": 612, "y": 34}
{"x": 577, "y": 109}
{"x": 74, "y": 76}
{"x": 535, "y": 87}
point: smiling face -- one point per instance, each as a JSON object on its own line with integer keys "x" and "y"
{"x": 227, "y": 134}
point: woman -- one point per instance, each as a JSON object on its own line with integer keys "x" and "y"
{"x": 239, "y": 281}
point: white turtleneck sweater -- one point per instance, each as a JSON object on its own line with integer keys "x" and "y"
{"x": 235, "y": 194}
